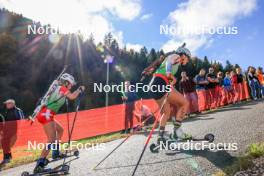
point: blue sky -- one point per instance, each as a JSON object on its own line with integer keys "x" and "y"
{"x": 136, "y": 23}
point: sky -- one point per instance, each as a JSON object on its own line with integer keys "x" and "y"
{"x": 137, "y": 23}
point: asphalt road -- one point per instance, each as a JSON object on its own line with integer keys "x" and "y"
{"x": 241, "y": 124}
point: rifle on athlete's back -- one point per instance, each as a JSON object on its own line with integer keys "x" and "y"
{"x": 154, "y": 65}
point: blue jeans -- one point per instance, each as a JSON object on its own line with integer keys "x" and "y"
{"x": 255, "y": 89}
{"x": 262, "y": 90}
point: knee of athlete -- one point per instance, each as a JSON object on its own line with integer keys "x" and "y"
{"x": 51, "y": 139}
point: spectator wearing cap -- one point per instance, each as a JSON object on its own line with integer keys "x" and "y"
{"x": 187, "y": 87}
{"x": 10, "y": 115}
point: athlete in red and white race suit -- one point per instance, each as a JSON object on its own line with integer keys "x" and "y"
{"x": 46, "y": 117}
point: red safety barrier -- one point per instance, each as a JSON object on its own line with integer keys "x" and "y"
{"x": 246, "y": 91}
{"x": 89, "y": 123}
{"x": 210, "y": 99}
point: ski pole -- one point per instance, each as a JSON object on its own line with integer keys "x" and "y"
{"x": 73, "y": 123}
{"x": 150, "y": 134}
{"x": 137, "y": 127}
{"x": 111, "y": 152}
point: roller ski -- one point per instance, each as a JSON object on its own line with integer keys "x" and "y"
{"x": 177, "y": 136}
{"x": 60, "y": 156}
{"x": 41, "y": 170}
{"x": 167, "y": 143}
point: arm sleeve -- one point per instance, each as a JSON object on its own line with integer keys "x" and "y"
{"x": 195, "y": 79}
{"x": 224, "y": 82}
{"x": 21, "y": 114}
{"x": 250, "y": 76}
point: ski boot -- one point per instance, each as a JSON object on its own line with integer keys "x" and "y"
{"x": 40, "y": 166}
{"x": 56, "y": 154}
{"x": 178, "y": 134}
{"x": 161, "y": 136}
{"x": 7, "y": 158}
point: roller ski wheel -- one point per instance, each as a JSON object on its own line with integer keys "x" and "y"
{"x": 65, "y": 169}
{"x": 38, "y": 169}
{"x": 76, "y": 153}
{"x": 25, "y": 173}
{"x": 154, "y": 148}
{"x": 209, "y": 137}
{"x": 46, "y": 162}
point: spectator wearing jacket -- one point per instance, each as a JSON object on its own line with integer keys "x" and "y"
{"x": 187, "y": 87}
{"x": 211, "y": 94}
{"x": 253, "y": 83}
{"x": 261, "y": 80}
{"x": 129, "y": 97}
{"x": 229, "y": 88}
{"x": 236, "y": 89}
{"x": 10, "y": 115}
{"x": 201, "y": 82}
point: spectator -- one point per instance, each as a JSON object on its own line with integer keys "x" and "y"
{"x": 220, "y": 90}
{"x": 240, "y": 83}
{"x": 229, "y": 91}
{"x": 129, "y": 97}
{"x": 253, "y": 83}
{"x": 201, "y": 83}
{"x": 261, "y": 80}
{"x": 236, "y": 90}
{"x": 144, "y": 115}
{"x": 211, "y": 94}
{"x": 9, "y": 128}
{"x": 187, "y": 87}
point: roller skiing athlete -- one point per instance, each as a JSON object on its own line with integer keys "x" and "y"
{"x": 172, "y": 104}
{"x": 46, "y": 116}
{"x": 163, "y": 76}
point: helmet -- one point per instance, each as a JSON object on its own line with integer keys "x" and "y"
{"x": 68, "y": 77}
{"x": 183, "y": 50}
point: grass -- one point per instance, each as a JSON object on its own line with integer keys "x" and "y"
{"x": 22, "y": 155}
{"x": 244, "y": 162}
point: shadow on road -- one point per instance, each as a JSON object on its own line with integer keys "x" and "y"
{"x": 145, "y": 164}
{"x": 219, "y": 159}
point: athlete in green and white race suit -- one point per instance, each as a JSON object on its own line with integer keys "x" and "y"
{"x": 176, "y": 105}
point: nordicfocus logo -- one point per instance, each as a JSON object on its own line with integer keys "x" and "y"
{"x": 73, "y": 145}
{"x": 131, "y": 88}
{"x": 191, "y": 145}
{"x": 198, "y": 30}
